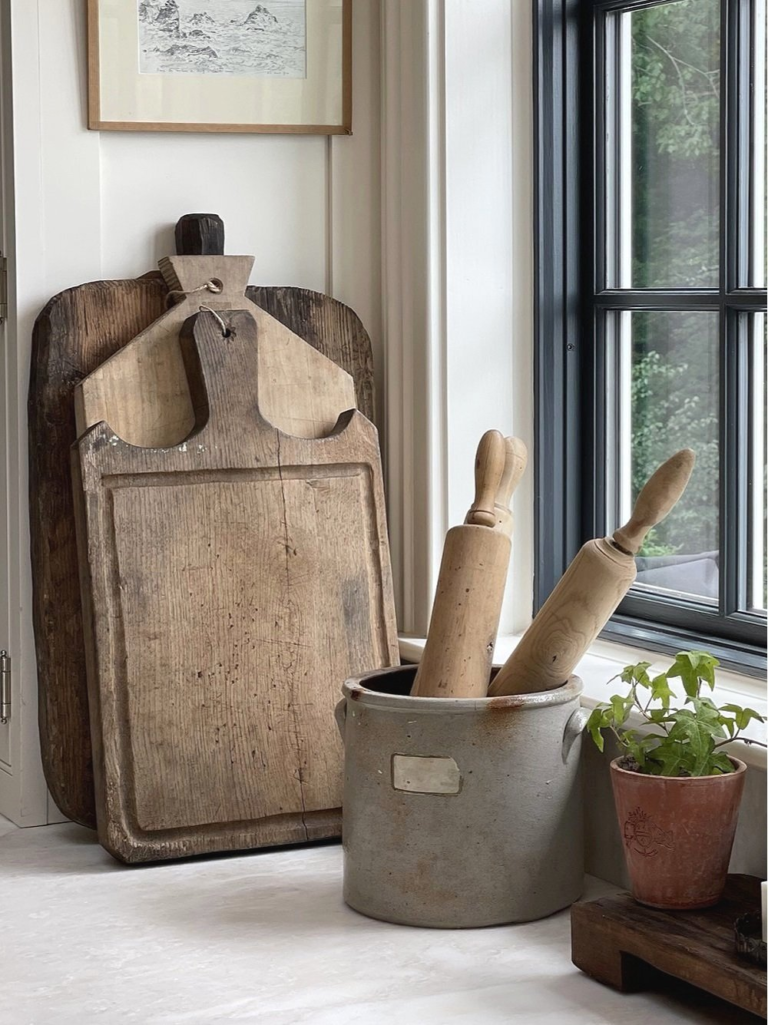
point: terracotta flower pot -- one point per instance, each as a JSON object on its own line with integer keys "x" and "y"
{"x": 677, "y": 834}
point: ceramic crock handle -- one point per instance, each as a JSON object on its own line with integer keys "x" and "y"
{"x": 573, "y": 730}
{"x": 340, "y": 712}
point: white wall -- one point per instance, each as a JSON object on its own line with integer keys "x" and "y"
{"x": 92, "y": 205}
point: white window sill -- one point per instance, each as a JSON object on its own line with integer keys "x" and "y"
{"x": 606, "y": 658}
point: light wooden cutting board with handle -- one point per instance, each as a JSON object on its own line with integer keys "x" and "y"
{"x": 231, "y": 583}
{"x": 78, "y": 330}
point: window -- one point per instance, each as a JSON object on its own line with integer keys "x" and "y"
{"x": 650, "y": 297}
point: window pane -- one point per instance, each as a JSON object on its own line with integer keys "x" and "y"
{"x": 666, "y": 117}
{"x": 666, "y": 373}
{"x": 758, "y": 598}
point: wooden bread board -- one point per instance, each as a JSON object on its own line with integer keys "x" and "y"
{"x": 78, "y": 330}
{"x": 231, "y": 583}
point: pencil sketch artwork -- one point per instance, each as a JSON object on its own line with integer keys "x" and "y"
{"x": 223, "y": 37}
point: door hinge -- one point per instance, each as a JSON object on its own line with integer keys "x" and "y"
{"x": 3, "y": 287}
{"x": 5, "y": 686}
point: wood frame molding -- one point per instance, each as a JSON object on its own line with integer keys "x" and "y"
{"x": 457, "y": 256}
{"x": 95, "y": 122}
{"x": 413, "y": 185}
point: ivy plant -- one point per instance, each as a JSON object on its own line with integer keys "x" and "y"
{"x": 673, "y": 739}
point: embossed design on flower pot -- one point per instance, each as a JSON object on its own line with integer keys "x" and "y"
{"x": 643, "y": 835}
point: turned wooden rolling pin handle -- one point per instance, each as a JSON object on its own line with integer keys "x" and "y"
{"x": 661, "y": 492}
{"x": 200, "y": 235}
{"x": 589, "y": 591}
{"x": 489, "y": 472}
{"x": 515, "y": 462}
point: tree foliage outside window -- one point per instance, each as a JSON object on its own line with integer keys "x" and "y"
{"x": 675, "y": 106}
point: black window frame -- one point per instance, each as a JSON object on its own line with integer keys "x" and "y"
{"x": 569, "y": 369}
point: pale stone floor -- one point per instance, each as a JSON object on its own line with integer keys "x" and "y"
{"x": 265, "y": 938}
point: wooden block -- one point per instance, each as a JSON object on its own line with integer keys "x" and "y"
{"x": 618, "y": 942}
{"x": 200, "y": 235}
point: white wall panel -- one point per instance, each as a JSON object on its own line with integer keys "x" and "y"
{"x": 488, "y": 247}
{"x": 458, "y": 244}
{"x": 271, "y": 192}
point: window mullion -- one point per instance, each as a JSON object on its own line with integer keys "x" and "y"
{"x": 734, "y": 461}
{"x": 734, "y": 334}
{"x": 735, "y": 113}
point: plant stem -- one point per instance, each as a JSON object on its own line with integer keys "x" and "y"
{"x": 736, "y": 736}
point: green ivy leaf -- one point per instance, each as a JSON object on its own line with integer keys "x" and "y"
{"x": 743, "y": 716}
{"x": 658, "y": 715}
{"x": 706, "y": 669}
{"x": 684, "y": 667}
{"x": 720, "y": 762}
{"x": 666, "y": 760}
{"x": 641, "y": 674}
{"x": 620, "y": 708}
{"x": 594, "y": 727}
{"x": 695, "y": 738}
{"x": 730, "y": 725}
{"x": 708, "y": 714}
{"x": 661, "y": 691}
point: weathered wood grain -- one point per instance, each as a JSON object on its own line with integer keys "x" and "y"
{"x": 618, "y": 942}
{"x": 317, "y": 320}
{"x": 77, "y": 330}
{"x": 233, "y": 581}
{"x": 75, "y": 333}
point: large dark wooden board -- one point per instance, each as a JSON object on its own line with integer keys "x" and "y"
{"x": 229, "y": 583}
{"x": 620, "y": 942}
{"x": 75, "y": 333}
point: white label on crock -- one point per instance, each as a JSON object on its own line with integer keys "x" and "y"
{"x": 425, "y": 774}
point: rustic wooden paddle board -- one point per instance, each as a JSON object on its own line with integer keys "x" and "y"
{"x": 230, "y": 584}
{"x": 78, "y": 330}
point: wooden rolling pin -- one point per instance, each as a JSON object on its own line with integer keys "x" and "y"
{"x": 458, "y": 654}
{"x": 589, "y": 591}
{"x": 515, "y": 460}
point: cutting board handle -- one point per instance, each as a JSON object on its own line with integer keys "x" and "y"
{"x": 220, "y": 353}
{"x": 200, "y": 235}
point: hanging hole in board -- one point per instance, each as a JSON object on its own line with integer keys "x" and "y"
{"x": 215, "y": 285}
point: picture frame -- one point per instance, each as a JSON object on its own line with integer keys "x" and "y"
{"x": 263, "y": 66}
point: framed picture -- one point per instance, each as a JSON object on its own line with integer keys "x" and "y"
{"x": 220, "y": 65}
